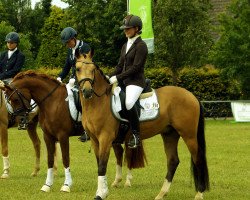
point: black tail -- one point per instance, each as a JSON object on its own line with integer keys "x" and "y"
{"x": 200, "y": 169}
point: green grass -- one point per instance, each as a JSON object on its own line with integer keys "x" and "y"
{"x": 228, "y": 156}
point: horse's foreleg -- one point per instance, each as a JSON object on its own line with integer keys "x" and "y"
{"x": 4, "y": 143}
{"x": 170, "y": 140}
{"x": 36, "y": 144}
{"x": 50, "y": 144}
{"x": 6, "y": 167}
{"x": 57, "y": 157}
{"x": 103, "y": 155}
{"x": 118, "y": 149}
{"x": 64, "y": 144}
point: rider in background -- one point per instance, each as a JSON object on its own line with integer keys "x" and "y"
{"x": 129, "y": 72}
{"x": 11, "y": 60}
{"x": 69, "y": 38}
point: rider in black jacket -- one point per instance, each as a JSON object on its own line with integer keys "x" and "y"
{"x": 12, "y": 60}
{"x": 68, "y": 37}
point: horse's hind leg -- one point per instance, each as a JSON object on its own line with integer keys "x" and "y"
{"x": 118, "y": 150}
{"x": 170, "y": 140}
{"x": 197, "y": 146}
{"x": 31, "y": 128}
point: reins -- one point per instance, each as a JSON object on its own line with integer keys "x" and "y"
{"x": 22, "y": 98}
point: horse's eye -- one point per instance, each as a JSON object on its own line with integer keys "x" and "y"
{"x": 77, "y": 69}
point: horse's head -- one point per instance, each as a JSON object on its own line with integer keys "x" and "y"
{"x": 18, "y": 102}
{"x": 85, "y": 73}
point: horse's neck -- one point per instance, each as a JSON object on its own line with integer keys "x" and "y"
{"x": 101, "y": 88}
{"x": 39, "y": 88}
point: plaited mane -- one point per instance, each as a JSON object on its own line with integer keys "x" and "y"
{"x": 32, "y": 73}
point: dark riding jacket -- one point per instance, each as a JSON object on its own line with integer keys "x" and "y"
{"x": 71, "y": 61}
{"x": 130, "y": 68}
{"x": 10, "y": 67}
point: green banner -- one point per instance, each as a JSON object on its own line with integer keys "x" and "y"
{"x": 142, "y": 8}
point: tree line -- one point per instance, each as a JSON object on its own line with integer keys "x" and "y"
{"x": 182, "y": 31}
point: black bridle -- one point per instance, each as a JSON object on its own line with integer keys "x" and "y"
{"x": 24, "y": 109}
{"x": 91, "y": 81}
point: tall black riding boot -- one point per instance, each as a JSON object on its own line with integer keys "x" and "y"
{"x": 133, "y": 118}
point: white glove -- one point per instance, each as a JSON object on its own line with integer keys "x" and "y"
{"x": 113, "y": 80}
{"x": 71, "y": 82}
{"x": 59, "y": 79}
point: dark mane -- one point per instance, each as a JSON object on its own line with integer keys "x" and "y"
{"x": 32, "y": 73}
{"x": 102, "y": 73}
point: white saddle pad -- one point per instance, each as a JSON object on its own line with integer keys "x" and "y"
{"x": 77, "y": 116}
{"x": 149, "y": 110}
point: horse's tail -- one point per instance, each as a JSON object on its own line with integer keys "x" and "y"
{"x": 135, "y": 158}
{"x": 200, "y": 170}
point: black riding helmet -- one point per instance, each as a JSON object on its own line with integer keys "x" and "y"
{"x": 67, "y": 34}
{"x": 132, "y": 21}
{"x": 12, "y": 37}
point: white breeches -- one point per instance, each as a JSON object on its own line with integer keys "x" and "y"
{"x": 132, "y": 94}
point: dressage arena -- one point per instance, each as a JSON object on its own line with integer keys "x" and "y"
{"x": 227, "y": 155}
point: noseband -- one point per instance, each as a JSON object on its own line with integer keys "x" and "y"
{"x": 91, "y": 81}
{"x": 24, "y": 109}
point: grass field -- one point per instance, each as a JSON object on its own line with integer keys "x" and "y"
{"x": 228, "y": 155}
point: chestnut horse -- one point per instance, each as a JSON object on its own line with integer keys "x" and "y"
{"x": 54, "y": 116}
{"x": 180, "y": 115}
{"x": 31, "y": 128}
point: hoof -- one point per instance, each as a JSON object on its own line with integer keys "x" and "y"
{"x": 98, "y": 198}
{"x": 198, "y": 196}
{"x": 5, "y": 176}
{"x": 45, "y": 188}
{"x": 65, "y": 188}
{"x": 127, "y": 184}
{"x": 34, "y": 174}
{"x": 116, "y": 182}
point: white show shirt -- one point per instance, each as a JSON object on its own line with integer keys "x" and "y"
{"x": 10, "y": 53}
{"x": 130, "y": 42}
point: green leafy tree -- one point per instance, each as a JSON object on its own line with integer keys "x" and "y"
{"x": 97, "y": 23}
{"x": 182, "y": 33}
{"x": 51, "y": 52}
{"x": 5, "y": 28}
{"x": 231, "y": 53}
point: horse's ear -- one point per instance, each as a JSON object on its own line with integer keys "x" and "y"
{"x": 92, "y": 52}
{"x": 4, "y": 86}
{"x": 77, "y": 53}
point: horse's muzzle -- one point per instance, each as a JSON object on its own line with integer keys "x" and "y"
{"x": 23, "y": 122}
{"x": 87, "y": 94}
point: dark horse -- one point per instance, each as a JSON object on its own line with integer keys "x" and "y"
{"x": 54, "y": 116}
{"x": 31, "y": 128}
{"x": 181, "y": 115}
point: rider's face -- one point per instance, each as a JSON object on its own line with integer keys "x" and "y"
{"x": 71, "y": 43}
{"x": 130, "y": 32}
{"x": 11, "y": 45}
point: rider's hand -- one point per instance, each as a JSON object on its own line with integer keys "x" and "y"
{"x": 113, "y": 80}
{"x": 59, "y": 79}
